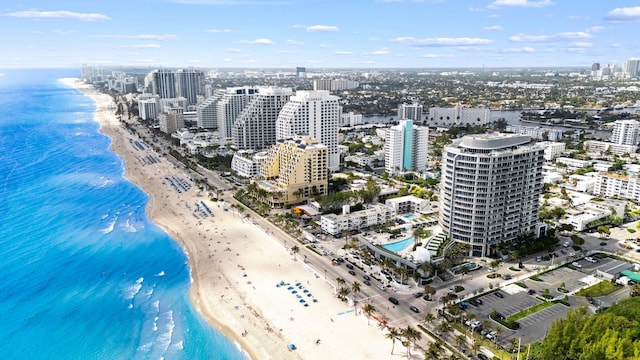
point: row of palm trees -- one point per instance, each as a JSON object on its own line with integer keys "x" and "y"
{"x": 406, "y": 336}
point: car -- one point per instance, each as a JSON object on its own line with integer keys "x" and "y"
{"x": 352, "y": 272}
{"x": 484, "y": 332}
{"x": 506, "y": 277}
{"x": 394, "y": 300}
{"x": 414, "y": 309}
{"x": 500, "y": 316}
{"x": 367, "y": 282}
{"x": 531, "y": 292}
{"x": 418, "y": 295}
{"x": 482, "y": 356}
{"x": 474, "y": 302}
{"x": 603, "y": 244}
{"x": 382, "y": 288}
{"x": 590, "y": 259}
{"x": 499, "y": 294}
{"x": 538, "y": 258}
{"x": 366, "y": 277}
{"x": 491, "y": 269}
{"x": 491, "y": 335}
{"x": 479, "y": 301}
{"x": 349, "y": 266}
{"x": 576, "y": 264}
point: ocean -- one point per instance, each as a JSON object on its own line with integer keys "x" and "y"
{"x": 84, "y": 273}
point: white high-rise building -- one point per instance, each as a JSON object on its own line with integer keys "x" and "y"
{"x": 405, "y": 148}
{"x": 410, "y": 112}
{"x": 230, "y": 105}
{"x": 631, "y": 67}
{"x": 189, "y": 84}
{"x": 148, "y": 106}
{"x": 626, "y": 132}
{"x": 207, "y": 112}
{"x": 171, "y": 121}
{"x": 490, "y": 190}
{"x": 255, "y": 127}
{"x": 351, "y": 119}
{"x": 313, "y": 113}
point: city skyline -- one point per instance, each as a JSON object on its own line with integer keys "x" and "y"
{"x": 320, "y": 34}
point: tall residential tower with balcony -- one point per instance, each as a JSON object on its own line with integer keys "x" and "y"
{"x": 490, "y": 190}
{"x": 405, "y": 148}
{"x": 316, "y": 114}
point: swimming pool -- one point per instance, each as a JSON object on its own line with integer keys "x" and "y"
{"x": 410, "y": 216}
{"x": 399, "y": 245}
{"x": 265, "y": 185}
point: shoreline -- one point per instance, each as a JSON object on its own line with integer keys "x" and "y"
{"x": 235, "y": 264}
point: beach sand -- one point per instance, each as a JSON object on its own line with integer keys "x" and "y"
{"x": 235, "y": 266}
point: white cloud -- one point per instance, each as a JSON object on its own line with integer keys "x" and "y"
{"x": 440, "y": 41}
{"x": 33, "y": 14}
{"x": 493, "y": 28}
{"x": 64, "y": 32}
{"x": 146, "y": 37}
{"x": 435, "y": 56}
{"x": 298, "y": 26}
{"x": 373, "y": 38}
{"x": 234, "y": 50}
{"x": 261, "y": 41}
{"x": 520, "y": 3}
{"x": 377, "y": 52}
{"x": 525, "y": 49}
{"x": 218, "y": 31}
{"x": 142, "y": 46}
{"x": 343, "y": 52}
{"x": 624, "y": 14}
{"x": 577, "y": 35}
{"x": 324, "y": 45}
{"x": 581, "y": 44}
{"x": 595, "y": 29}
{"x": 294, "y": 42}
{"x": 324, "y": 28}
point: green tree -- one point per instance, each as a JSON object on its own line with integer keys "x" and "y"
{"x": 393, "y": 334}
{"x": 369, "y": 310}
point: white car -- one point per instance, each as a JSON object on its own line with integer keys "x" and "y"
{"x": 590, "y": 259}
{"x": 576, "y": 264}
{"x": 382, "y": 288}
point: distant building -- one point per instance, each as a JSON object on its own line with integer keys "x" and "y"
{"x": 536, "y": 132}
{"x": 552, "y": 149}
{"x": 334, "y": 84}
{"x": 376, "y": 214}
{"x": 294, "y": 170}
{"x": 408, "y": 205}
{"x": 162, "y": 83}
{"x": 171, "y": 121}
{"x": 616, "y": 185}
{"x": 410, "y": 112}
{"x": 189, "y": 84}
{"x": 301, "y": 72}
{"x": 626, "y": 132}
{"x": 603, "y": 147}
{"x": 148, "y": 106}
{"x": 574, "y": 163}
{"x": 458, "y": 116}
{"x": 405, "y": 148}
{"x": 351, "y": 119}
{"x": 316, "y": 114}
{"x": 490, "y": 189}
{"x": 245, "y": 165}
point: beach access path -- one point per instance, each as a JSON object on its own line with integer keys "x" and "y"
{"x": 243, "y": 279}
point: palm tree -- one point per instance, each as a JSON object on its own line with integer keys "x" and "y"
{"x": 295, "y": 250}
{"x": 460, "y": 340}
{"x": 393, "y": 334}
{"x": 429, "y": 317}
{"x": 444, "y": 327}
{"x": 475, "y": 345}
{"x": 343, "y": 292}
{"x": 340, "y": 281}
{"x": 369, "y": 310}
{"x": 355, "y": 288}
{"x": 435, "y": 350}
{"x": 408, "y": 333}
{"x": 498, "y": 333}
{"x": 402, "y": 272}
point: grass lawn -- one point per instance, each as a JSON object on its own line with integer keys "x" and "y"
{"x": 529, "y": 311}
{"x": 600, "y": 289}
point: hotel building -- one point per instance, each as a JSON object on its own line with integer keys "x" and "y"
{"x": 294, "y": 170}
{"x": 405, "y": 148}
{"x": 316, "y": 114}
{"x": 490, "y": 190}
{"x": 255, "y": 126}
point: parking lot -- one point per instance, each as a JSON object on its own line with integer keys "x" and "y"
{"x": 534, "y": 327}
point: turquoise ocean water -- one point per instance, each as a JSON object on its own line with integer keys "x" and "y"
{"x": 84, "y": 274}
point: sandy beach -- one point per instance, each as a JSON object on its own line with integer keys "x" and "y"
{"x": 236, "y": 266}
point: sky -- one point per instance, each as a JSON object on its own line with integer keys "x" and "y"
{"x": 318, "y": 33}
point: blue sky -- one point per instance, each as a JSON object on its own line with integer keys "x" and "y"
{"x": 319, "y": 33}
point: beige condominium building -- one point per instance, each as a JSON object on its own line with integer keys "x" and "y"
{"x": 294, "y": 170}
